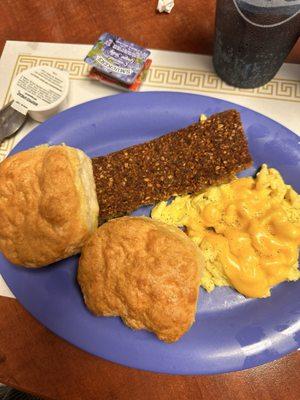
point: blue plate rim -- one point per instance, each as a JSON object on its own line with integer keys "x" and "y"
{"x": 108, "y": 99}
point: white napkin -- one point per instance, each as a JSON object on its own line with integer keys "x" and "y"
{"x": 165, "y": 6}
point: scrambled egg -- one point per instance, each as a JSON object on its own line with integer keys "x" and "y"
{"x": 248, "y": 231}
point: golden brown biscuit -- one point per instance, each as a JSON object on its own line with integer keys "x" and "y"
{"x": 144, "y": 271}
{"x": 48, "y": 204}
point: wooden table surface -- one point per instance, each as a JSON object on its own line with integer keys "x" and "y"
{"x": 32, "y": 358}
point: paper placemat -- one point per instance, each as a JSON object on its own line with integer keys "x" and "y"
{"x": 170, "y": 71}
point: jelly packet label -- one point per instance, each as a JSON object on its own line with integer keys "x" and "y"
{"x": 97, "y": 75}
{"x": 118, "y": 58}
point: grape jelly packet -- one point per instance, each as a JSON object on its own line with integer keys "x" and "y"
{"x": 117, "y": 58}
{"x": 134, "y": 87}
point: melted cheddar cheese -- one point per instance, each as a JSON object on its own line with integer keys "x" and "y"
{"x": 248, "y": 231}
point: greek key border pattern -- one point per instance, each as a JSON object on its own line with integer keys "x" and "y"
{"x": 205, "y": 81}
{"x": 162, "y": 77}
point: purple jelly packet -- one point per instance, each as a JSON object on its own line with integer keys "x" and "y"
{"x": 117, "y": 58}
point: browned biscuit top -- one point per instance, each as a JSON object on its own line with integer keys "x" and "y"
{"x": 45, "y": 215}
{"x": 145, "y": 271}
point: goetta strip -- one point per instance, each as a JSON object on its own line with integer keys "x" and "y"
{"x": 186, "y": 161}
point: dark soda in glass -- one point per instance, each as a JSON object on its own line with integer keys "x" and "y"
{"x": 253, "y": 38}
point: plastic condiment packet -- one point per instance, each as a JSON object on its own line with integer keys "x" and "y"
{"x": 134, "y": 87}
{"x": 165, "y": 6}
{"x": 40, "y": 91}
{"x": 117, "y": 58}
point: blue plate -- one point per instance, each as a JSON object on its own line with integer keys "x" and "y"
{"x": 230, "y": 332}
